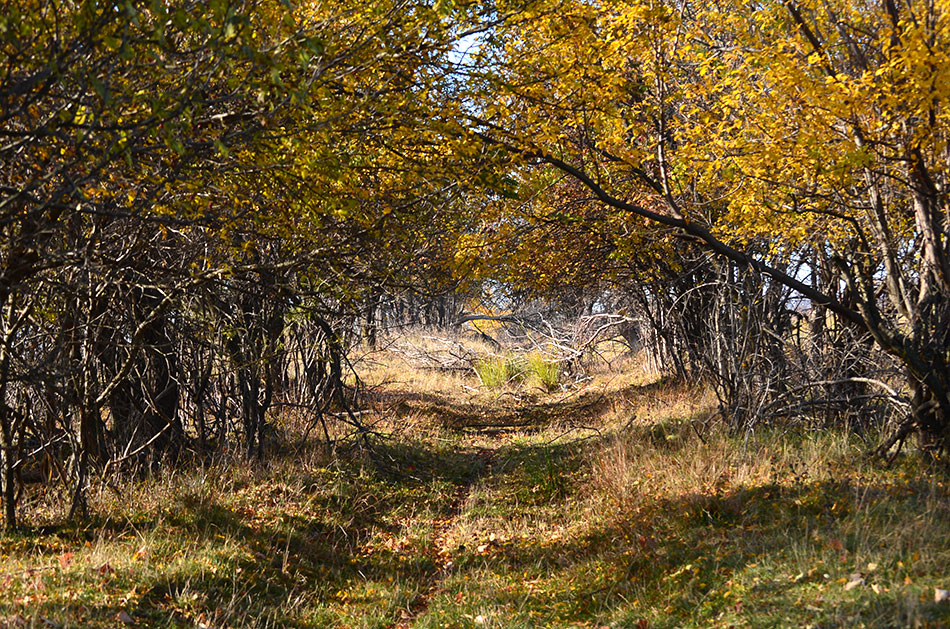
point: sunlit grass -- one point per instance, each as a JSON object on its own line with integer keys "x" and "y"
{"x": 542, "y": 372}
{"x": 498, "y": 371}
{"x": 532, "y": 368}
{"x": 616, "y": 505}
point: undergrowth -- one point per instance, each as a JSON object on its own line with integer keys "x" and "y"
{"x": 532, "y": 368}
{"x": 618, "y": 505}
{"x": 499, "y": 371}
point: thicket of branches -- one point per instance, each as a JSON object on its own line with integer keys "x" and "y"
{"x": 770, "y": 356}
{"x": 203, "y": 205}
{"x": 197, "y": 204}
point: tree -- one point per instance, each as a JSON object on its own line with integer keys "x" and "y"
{"x": 797, "y": 130}
{"x": 181, "y": 167}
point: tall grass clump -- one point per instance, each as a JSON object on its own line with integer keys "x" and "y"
{"x": 498, "y": 371}
{"x": 541, "y": 372}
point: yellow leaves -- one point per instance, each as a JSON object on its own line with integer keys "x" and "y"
{"x": 82, "y": 116}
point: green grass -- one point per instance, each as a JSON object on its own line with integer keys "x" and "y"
{"x": 542, "y": 372}
{"x": 499, "y": 371}
{"x": 532, "y": 368}
{"x": 523, "y": 522}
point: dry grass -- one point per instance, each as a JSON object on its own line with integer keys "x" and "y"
{"x": 617, "y": 503}
{"x": 782, "y": 528}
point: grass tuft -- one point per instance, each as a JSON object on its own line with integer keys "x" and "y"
{"x": 533, "y": 368}
{"x": 499, "y": 371}
{"x": 541, "y": 372}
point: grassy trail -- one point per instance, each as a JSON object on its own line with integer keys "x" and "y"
{"x": 439, "y": 548}
{"x": 606, "y": 506}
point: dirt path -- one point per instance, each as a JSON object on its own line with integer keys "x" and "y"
{"x": 485, "y": 430}
{"x": 439, "y": 549}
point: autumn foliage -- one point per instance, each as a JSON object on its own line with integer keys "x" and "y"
{"x": 205, "y": 206}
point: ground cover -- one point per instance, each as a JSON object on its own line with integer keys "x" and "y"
{"x": 616, "y": 502}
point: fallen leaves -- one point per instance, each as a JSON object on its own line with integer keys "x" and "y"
{"x": 378, "y": 541}
{"x": 105, "y": 569}
{"x": 65, "y": 560}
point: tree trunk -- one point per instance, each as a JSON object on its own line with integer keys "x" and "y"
{"x": 7, "y": 473}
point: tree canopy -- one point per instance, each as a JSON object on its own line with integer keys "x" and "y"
{"x": 193, "y": 191}
{"x": 766, "y": 131}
